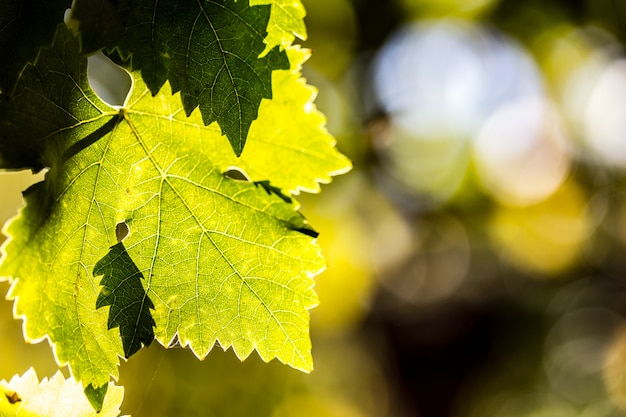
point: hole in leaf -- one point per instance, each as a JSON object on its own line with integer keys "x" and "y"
{"x": 175, "y": 342}
{"x": 237, "y": 174}
{"x": 110, "y": 81}
{"x": 12, "y": 397}
{"x": 121, "y": 231}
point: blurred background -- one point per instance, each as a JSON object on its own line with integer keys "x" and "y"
{"x": 477, "y": 251}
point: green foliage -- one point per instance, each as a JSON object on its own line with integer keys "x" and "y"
{"x": 209, "y": 51}
{"x": 25, "y": 26}
{"x": 286, "y": 22}
{"x": 209, "y": 257}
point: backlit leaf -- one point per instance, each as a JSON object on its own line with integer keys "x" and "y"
{"x": 292, "y": 164}
{"x": 224, "y": 260}
{"x": 209, "y": 50}
{"x": 286, "y": 22}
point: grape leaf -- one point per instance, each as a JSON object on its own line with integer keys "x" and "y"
{"x": 209, "y": 50}
{"x": 224, "y": 261}
{"x": 293, "y": 165}
{"x": 25, "y": 26}
{"x": 286, "y": 22}
{"x": 25, "y": 130}
{"x": 25, "y": 396}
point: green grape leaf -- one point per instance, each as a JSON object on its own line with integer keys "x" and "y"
{"x": 286, "y": 22}
{"x": 224, "y": 261}
{"x": 25, "y": 396}
{"x": 26, "y": 130}
{"x": 209, "y": 50}
{"x": 293, "y": 165}
{"x": 130, "y": 305}
{"x": 25, "y": 26}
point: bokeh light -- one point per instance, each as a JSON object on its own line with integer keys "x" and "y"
{"x": 521, "y": 152}
{"x": 433, "y": 8}
{"x": 437, "y": 249}
{"x": 576, "y": 349}
{"x": 546, "y": 237}
{"x": 605, "y": 116}
{"x": 436, "y": 78}
{"x": 445, "y": 82}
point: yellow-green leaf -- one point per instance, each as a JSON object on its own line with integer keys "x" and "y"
{"x": 289, "y": 142}
{"x": 286, "y": 22}
{"x": 223, "y": 260}
{"x": 210, "y": 51}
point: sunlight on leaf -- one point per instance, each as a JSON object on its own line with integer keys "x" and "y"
{"x": 25, "y": 396}
{"x": 208, "y": 50}
{"x": 286, "y": 22}
{"x": 303, "y": 163}
{"x": 224, "y": 261}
